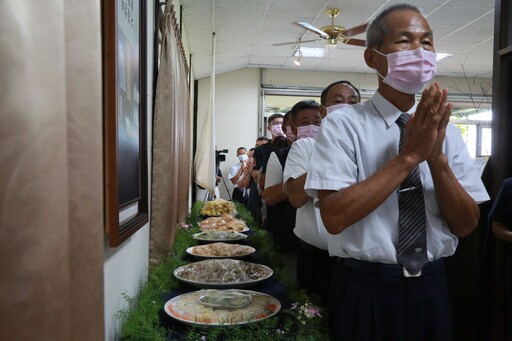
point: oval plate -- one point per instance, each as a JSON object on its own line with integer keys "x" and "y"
{"x": 219, "y": 236}
{"x": 245, "y": 229}
{"x": 186, "y": 308}
{"x": 225, "y": 264}
{"x": 223, "y": 223}
{"x": 250, "y": 251}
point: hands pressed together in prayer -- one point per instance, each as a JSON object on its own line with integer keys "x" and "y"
{"x": 247, "y": 166}
{"x": 426, "y": 129}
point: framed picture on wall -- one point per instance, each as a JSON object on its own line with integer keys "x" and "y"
{"x": 125, "y": 138}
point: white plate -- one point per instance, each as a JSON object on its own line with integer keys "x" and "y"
{"x": 186, "y": 308}
{"x": 237, "y": 237}
{"x": 245, "y": 229}
{"x": 250, "y": 251}
{"x": 223, "y": 266}
{"x": 221, "y": 223}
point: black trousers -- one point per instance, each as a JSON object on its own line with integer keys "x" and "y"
{"x": 238, "y": 195}
{"x": 375, "y": 305}
{"x": 314, "y": 270}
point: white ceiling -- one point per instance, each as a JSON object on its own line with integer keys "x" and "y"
{"x": 246, "y": 30}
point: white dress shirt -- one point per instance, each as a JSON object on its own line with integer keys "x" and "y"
{"x": 274, "y": 172}
{"x": 234, "y": 171}
{"x": 353, "y": 143}
{"x": 308, "y": 223}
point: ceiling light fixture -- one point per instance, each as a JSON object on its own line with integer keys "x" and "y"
{"x": 312, "y": 52}
{"x": 297, "y": 54}
{"x": 442, "y": 56}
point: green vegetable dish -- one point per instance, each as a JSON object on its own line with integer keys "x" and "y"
{"x": 225, "y": 299}
{"x": 219, "y": 236}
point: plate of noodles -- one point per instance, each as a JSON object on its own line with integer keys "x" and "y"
{"x": 220, "y": 250}
{"x": 223, "y": 273}
{"x": 216, "y": 307}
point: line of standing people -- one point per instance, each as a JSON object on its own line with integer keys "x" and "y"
{"x": 360, "y": 217}
{"x": 381, "y": 191}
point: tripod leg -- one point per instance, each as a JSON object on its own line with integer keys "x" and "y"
{"x": 227, "y": 189}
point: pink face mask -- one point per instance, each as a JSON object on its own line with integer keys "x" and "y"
{"x": 336, "y": 107}
{"x": 409, "y": 71}
{"x": 307, "y": 131}
{"x": 289, "y": 134}
{"x": 277, "y": 130}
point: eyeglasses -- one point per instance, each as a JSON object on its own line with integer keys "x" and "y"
{"x": 275, "y": 123}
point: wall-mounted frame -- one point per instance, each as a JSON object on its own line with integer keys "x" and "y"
{"x": 125, "y": 139}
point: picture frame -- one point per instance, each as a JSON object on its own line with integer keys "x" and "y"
{"x": 125, "y": 128}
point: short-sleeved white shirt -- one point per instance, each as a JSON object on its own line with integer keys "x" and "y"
{"x": 308, "y": 223}
{"x": 274, "y": 173}
{"x": 352, "y": 144}
{"x": 234, "y": 171}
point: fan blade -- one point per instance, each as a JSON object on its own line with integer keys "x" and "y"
{"x": 313, "y": 28}
{"x": 355, "y": 30}
{"x": 296, "y": 42}
{"x": 356, "y": 42}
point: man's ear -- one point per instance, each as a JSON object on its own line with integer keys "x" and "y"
{"x": 294, "y": 129}
{"x": 322, "y": 110}
{"x": 369, "y": 58}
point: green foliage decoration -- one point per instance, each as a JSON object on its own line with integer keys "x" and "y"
{"x": 140, "y": 321}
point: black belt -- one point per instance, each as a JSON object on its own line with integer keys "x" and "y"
{"x": 395, "y": 270}
{"x": 314, "y": 250}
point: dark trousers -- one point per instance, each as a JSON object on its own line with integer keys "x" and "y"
{"x": 367, "y": 305}
{"x": 508, "y": 290}
{"x": 314, "y": 270}
{"x": 238, "y": 195}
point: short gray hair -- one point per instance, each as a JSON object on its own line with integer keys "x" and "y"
{"x": 377, "y": 29}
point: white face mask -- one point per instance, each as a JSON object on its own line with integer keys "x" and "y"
{"x": 410, "y": 70}
{"x": 336, "y": 107}
{"x": 242, "y": 157}
{"x": 310, "y": 130}
{"x": 277, "y": 130}
{"x": 289, "y": 134}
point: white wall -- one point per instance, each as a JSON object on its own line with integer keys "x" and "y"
{"x": 316, "y": 78}
{"x": 126, "y": 266}
{"x": 236, "y": 107}
{"x": 364, "y": 81}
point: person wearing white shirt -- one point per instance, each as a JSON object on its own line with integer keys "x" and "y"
{"x": 237, "y": 172}
{"x": 254, "y": 203}
{"x": 280, "y": 218}
{"x": 261, "y": 155}
{"x": 314, "y": 264}
{"x": 337, "y": 95}
{"x": 356, "y": 173}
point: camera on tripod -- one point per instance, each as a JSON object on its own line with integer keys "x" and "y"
{"x": 220, "y": 156}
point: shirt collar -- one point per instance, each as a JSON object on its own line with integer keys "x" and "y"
{"x": 388, "y": 111}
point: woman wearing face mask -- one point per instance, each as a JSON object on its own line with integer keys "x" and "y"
{"x": 237, "y": 173}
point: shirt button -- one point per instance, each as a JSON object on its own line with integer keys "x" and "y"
{"x": 418, "y": 249}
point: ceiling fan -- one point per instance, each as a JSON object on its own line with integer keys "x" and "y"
{"x": 333, "y": 34}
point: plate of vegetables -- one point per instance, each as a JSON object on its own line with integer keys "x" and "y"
{"x": 215, "y": 307}
{"x": 219, "y": 236}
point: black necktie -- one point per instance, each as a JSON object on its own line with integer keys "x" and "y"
{"x": 412, "y": 235}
